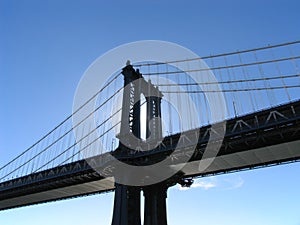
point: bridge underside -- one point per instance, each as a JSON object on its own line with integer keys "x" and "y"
{"x": 56, "y": 194}
{"x": 261, "y": 157}
{"x": 276, "y": 154}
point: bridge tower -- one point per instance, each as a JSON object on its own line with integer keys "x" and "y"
{"x": 127, "y": 207}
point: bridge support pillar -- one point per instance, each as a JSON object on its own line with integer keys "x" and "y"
{"x": 127, "y": 208}
{"x": 155, "y": 205}
{"x": 127, "y": 205}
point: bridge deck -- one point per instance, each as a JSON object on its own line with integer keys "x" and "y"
{"x": 268, "y": 137}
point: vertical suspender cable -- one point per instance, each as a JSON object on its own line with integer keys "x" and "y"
{"x": 235, "y": 110}
{"x": 280, "y": 74}
{"x": 266, "y": 84}
{"x": 248, "y": 84}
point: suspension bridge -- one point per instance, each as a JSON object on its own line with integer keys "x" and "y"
{"x": 261, "y": 89}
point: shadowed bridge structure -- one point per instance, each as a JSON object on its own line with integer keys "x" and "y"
{"x": 261, "y": 128}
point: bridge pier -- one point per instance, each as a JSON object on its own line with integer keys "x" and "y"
{"x": 155, "y": 212}
{"x": 127, "y": 205}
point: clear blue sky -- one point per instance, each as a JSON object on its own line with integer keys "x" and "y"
{"x": 45, "y": 46}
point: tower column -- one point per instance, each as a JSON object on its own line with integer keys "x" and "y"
{"x": 127, "y": 202}
{"x": 127, "y": 205}
{"x": 155, "y": 204}
{"x": 127, "y": 198}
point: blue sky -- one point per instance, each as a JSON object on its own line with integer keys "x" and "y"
{"x": 45, "y": 47}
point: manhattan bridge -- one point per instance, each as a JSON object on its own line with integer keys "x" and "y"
{"x": 152, "y": 112}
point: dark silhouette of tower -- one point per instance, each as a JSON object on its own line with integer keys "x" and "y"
{"x": 127, "y": 198}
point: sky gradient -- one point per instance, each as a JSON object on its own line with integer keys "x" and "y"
{"x": 45, "y": 47}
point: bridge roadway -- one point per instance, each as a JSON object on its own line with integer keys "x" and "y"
{"x": 264, "y": 138}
